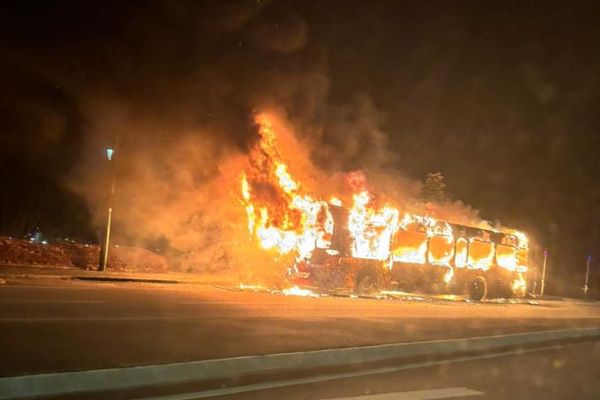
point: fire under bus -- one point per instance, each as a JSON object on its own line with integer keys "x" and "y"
{"x": 418, "y": 254}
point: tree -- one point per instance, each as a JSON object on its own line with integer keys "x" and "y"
{"x": 433, "y": 189}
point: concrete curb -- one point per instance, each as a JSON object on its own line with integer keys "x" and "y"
{"x": 11, "y": 273}
{"x": 197, "y": 371}
{"x": 124, "y": 279}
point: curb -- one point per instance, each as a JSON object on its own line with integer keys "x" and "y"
{"x": 92, "y": 278}
{"x": 156, "y": 375}
{"x": 123, "y": 276}
{"x": 123, "y": 279}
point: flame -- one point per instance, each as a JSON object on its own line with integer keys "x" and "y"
{"x": 506, "y": 257}
{"x": 449, "y": 275}
{"x": 371, "y": 228}
{"x": 481, "y": 254}
{"x": 285, "y": 180}
{"x": 410, "y": 246}
{"x": 284, "y": 219}
{"x": 523, "y": 239}
{"x": 441, "y": 250}
{"x": 296, "y": 291}
{"x": 335, "y": 201}
{"x": 519, "y": 285}
{"x": 279, "y": 217}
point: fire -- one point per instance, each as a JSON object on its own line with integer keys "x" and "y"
{"x": 279, "y": 216}
{"x": 519, "y": 285}
{"x": 285, "y": 219}
{"x": 335, "y": 201}
{"x": 371, "y": 228}
{"x": 285, "y": 180}
{"x": 449, "y": 275}
{"x": 296, "y": 291}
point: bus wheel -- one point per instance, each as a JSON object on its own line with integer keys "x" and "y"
{"x": 478, "y": 289}
{"x": 367, "y": 282}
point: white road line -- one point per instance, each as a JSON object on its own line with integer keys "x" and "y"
{"x": 430, "y": 394}
{"x": 332, "y": 377}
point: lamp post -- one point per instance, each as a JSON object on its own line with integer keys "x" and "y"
{"x": 586, "y": 287}
{"x": 104, "y": 246}
{"x": 543, "y": 285}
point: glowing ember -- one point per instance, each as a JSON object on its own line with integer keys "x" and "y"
{"x": 449, "y": 275}
{"x": 520, "y": 284}
{"x": 296, "y": 291}
{"x": 255, "y": 288}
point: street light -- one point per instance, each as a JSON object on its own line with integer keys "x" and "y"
{"x": 586, "y": 286}
{"x": 544, "y": 272}
{"x": 105, "y": 243}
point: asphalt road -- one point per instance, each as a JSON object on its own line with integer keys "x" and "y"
{"x": 58, "y": 325}
{"x": 569, "y": 372}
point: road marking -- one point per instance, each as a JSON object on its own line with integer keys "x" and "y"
{"x": 332, "y": 377}
{"x": 430, "y": 394}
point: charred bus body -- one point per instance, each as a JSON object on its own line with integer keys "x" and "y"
{"x": 422, "y": 255}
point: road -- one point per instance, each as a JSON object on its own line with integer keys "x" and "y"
{"x": 60, "y": 325}
{"x": 558, "y": 373}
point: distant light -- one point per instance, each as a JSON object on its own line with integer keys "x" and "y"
{"x": 109, "y": 153}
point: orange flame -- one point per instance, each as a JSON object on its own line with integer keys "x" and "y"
{"x": 279, "y": 217}
{"x": 370, "y": 228}
{"x": 283, "y": 219}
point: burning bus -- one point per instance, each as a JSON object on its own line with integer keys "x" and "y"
{"x": 370, "y": 246}
{"x": 420, "y": 254}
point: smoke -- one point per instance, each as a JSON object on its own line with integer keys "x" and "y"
{"x": 174, "y": 88}
{"x": 352, "y": 137}
{"x": 182, "y": 135}
{"x": 178, "y": 108}
{"x": 279, "y": 29}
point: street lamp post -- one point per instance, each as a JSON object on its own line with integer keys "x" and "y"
{"x": 543, "y": 285}
{"x": 106, "y": 242}
{"x": 586, "y": 287}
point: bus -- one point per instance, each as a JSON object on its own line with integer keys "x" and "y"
{"x": 421, "y": 255}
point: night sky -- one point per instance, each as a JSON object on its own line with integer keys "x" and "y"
{"x": 502, "y": 97}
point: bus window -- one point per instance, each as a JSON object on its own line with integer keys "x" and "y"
{"x": 506, "y": 257}
{"x": 460, "y": 260}
{"x": 441, "y": 249}
{"x": 410, "y": 246}
{"x": 522, "y": 256}
{"x": 481, "y": 254}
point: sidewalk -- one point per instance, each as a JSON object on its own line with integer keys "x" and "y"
{"x": 11, "y": 272}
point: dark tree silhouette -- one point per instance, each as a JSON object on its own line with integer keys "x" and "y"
{"x": 433, "y": 189}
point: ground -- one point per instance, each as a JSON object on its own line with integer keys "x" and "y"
{"x": 54, "y": 324}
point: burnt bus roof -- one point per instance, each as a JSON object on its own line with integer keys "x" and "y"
{"x": 459, "y": 230}
{"x": 485, "y": 235}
